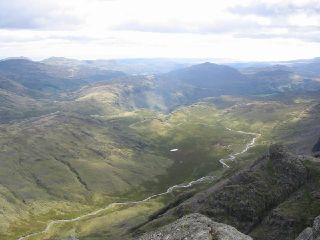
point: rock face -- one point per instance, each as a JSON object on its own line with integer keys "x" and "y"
{"x": 311, "y": 233}
{"x": 244, "y": 199}
{"x": 316, "y": 147}
{"x": 250, "y": 199}
{"x": 195, "y": 227}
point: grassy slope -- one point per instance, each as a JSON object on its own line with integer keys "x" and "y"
{"x": 100, "y": 132}
{"x": 198, "y": 131}
{"x": 14, "y": 106}
{"x": 301, "y": 134}
{"x": 59, "y": 160}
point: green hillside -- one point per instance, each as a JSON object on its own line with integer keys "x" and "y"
{"x": 75, "y": 150}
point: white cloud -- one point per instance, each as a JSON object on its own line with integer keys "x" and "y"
{"x": 36, "y": 14}
{"x": 247, "y": 29}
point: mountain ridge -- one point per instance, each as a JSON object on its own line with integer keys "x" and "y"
{"x": 235, "y": 200}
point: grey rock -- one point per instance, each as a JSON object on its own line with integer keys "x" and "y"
{"x": 305, "y": 234}
{"x": 195, "y": 227}
{"x": 311, "y": 233}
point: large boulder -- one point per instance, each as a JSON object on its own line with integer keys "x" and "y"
{"x": 195, "y": 227}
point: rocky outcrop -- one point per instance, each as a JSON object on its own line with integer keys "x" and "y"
{"x": 316, "y": 148}
{"x": 311, "y": 233}
{"x": 245, "y": 199}
{"x": 195, "y": 227}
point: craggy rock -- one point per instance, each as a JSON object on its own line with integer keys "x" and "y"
{"x": 247, "y": 197}
{"x": 311, "y": 233}
{"x": 195, "y": 227}
{"x": 244, "y": 199}
{"x": 316, "y": 147}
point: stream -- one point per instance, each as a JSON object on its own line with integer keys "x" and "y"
{"x": 223, "y": 161}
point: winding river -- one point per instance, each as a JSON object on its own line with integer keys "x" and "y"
{"x": 223, "y": 161}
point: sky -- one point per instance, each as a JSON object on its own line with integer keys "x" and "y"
{"x": 246, "y": 30}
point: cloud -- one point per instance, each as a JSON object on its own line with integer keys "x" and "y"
{"x": 252, "y": 19}
{"x": 175, "y": 28}
{"x": 36, "y": 36}
{"x": 35, "y": 14}
{"x": 136, "y": 25}
{"x": 306, "y": 34}
{"x": 277, "y": 9}
{"x": 287, "y": 19}
{"x": 216, "y": 27}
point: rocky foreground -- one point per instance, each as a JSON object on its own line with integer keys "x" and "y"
{"x": 196, "y": 227}
{"x": 199, "y": 227}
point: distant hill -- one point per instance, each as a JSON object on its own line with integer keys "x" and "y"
{"x": 53, "y": 77}
{"x": 199, "y": 81}
{"x": 29, "y": 88}
{"x": 309, "y": 68}
{"x": 129, "y": 66}
{"x": 207, "y": 75}
{"x": 44, "y": 77}
{"x": 61, "y": 61}
{"x": 33, "y": 75}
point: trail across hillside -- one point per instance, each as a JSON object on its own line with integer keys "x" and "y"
{"x": 223, "y": 161}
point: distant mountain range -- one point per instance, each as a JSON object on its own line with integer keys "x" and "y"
{"x": 53, "y": 77}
